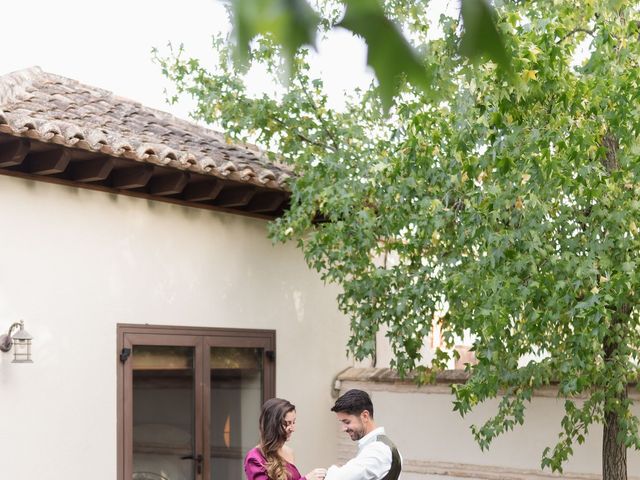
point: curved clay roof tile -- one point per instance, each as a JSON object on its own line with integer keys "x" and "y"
{"x": 54, "y": 109}
{"x": 73, "y": 133}
{"x": 246, "y": 174}
{"x": 265, "y": 176}
{"x": 48, "y": 130}
{"x": 167, "y": 155}
{"x": 145, "y": 150}
{"x": 119, "y": 144}
{"x": 107, "y": 150}
{"x": 207, "y": 164}
{"x": 227, "y": 168}
{"x": 97, "y": 139}
{"x": 188, "y": 159}
{"x": 24, "y": 124}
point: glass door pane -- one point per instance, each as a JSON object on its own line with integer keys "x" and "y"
{"x": 189, "y": 400}
{"x": 163, "y": 387}
{"x": 236, "y": 394}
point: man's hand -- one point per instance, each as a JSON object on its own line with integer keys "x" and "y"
{"x": 316, "y": 474}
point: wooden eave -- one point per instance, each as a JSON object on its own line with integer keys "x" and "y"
{"x": 32, "y": 159}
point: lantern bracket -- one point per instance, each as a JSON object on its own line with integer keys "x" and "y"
{"x": 6, "y": 342}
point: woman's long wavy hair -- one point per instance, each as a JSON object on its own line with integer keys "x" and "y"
{"x": 273, "y": 435}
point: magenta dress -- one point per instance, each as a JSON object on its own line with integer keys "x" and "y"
{"x": 255, "y": 469}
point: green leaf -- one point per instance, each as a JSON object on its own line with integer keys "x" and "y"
{"x": 291, "y": 24}
{"x": 388, "y": 52}
{"x": 481, "y": 37}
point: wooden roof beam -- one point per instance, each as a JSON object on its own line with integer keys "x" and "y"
{"x": 235, "y": 197}
{"x": 170, "y": 184}
{"x": 92, "y": 170}
{"x": 202, "y": 191}
{"x": 13, "y": 153}
{"x": 132, "y": 177}
{"x": 266, "y": 202}
{"x": 49, "y": 162}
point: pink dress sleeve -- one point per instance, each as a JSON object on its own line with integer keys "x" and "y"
{"x": 254, "y": 469}
{"x": 295, "y": 474}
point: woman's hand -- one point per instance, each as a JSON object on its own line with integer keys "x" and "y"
{"x": 316, "y": 474}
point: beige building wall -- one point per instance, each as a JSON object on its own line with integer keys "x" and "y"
{"x": 77, "y": 262}
{"x": 437, "y": 444}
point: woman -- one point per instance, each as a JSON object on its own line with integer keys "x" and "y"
{"x": 272, "y": 459}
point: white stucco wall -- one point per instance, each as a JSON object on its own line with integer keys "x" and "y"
{"x": 76, "y": 262}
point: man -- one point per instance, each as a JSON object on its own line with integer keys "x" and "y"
{"x": 377, "y": 458}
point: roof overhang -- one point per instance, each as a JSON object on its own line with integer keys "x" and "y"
{"x": 37, "y": 160}
{"x": 58, "y": 130}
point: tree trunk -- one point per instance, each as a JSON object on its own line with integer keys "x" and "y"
{"x": 614, "y": 455}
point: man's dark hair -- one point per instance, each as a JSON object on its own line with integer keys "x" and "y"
{"x": 354, "y": 402}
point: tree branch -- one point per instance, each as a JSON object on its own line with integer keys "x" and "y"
{"x": 573, "y": 32}
{"x": 320, "y": 119}
{"x": 304, "y": 138}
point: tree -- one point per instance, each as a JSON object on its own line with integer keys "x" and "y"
{"x": 513, "y": 203}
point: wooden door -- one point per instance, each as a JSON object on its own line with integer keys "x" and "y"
{"x": 189, "y": 400}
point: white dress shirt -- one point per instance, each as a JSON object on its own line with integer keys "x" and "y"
{"x": 372, "y": 462}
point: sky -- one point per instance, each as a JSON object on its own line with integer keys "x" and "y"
{"x": 108, "y": 44}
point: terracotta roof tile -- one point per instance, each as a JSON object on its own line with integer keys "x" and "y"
{"x": 54, "y": 109}
{"x": 387, "y": 375}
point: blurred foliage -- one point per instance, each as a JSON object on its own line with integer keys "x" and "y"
{"x": 292, "y": 24}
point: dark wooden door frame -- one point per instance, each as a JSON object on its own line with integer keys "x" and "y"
{"x": 202, "y": 339}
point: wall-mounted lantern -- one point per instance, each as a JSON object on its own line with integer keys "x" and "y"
{"x": 20, "y": 340}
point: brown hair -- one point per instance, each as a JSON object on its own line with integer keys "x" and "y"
{"x": 354, "y": 402}
{"x": 273, "y": 435}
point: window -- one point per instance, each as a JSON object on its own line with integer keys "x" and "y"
{"x": 189, "y": 400}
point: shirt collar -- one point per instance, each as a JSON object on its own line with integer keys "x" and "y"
{"x": 369, "y": 437}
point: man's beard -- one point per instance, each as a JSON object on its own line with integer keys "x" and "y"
{"x": 356, "y": 434}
